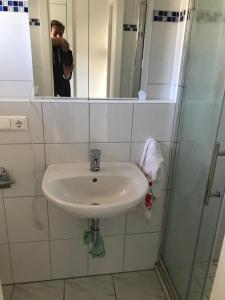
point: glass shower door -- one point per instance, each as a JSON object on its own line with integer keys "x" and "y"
{"x": 191, "y": 225}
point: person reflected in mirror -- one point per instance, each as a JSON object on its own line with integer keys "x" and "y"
{"x": 62, "y": 58}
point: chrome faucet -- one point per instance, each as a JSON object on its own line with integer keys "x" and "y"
{"x": 95, "y": 160}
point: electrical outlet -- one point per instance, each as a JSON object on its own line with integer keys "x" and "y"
{"x": 18, "y": 123}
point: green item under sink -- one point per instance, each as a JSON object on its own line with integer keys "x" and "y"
{"x": 98, "y": 248}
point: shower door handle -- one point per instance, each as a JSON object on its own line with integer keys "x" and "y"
{"x": 209, "y": 194}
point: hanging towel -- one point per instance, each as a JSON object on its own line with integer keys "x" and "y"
{"x": 152, "y": 164}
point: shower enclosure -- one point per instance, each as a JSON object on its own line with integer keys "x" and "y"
{"x": 193, "y": 229}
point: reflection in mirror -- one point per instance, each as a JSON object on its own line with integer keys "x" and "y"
{"x": 108, "y": 48}
{"x": 116, "y": 46}
{"x": 59, "y": 37}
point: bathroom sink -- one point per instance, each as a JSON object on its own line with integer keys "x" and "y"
{"x": 115, "y": 189}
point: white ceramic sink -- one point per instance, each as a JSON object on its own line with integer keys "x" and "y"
{"x": 115, "y": 189}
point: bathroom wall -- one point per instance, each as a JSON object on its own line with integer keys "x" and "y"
{"x": 38, "y": 241}
{"x": 16, "y": 76}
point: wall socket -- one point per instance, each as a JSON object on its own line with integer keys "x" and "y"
{"x": 15, "y": 123}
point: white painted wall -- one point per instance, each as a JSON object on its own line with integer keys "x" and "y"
{"x": 15, "y": 55}
{"x": 80, "y": 46}
{"x": 41, "y": 48}
{"x": 98, "y": 48}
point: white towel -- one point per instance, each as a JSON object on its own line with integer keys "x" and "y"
{"x": 152, "y": 164}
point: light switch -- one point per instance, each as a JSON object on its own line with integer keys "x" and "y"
{"x": 5, "y": 124}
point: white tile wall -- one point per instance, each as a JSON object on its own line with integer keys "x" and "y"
{"x": 141, "y": 251}
{"x": 25, "y": 163}
{"x": 30, "y": 261}
{"x": 66, "y": 123}
{"x": 63, "y": 225}
{"x": 113, "y": 151}
{"x": 66, "y": 153}
{"x": 147, "y": 116}
{"x": 33, "y": 112}
{"x": 120, "y": 131}
{"x": 5, "y": 270}
{"x": 113, "y": 226}
{"x": 110, "y": 122}
{"x": 27, "y": 219}
{"x": 68, "y": 258}
{"x": 112, "y": 262}
{"x": 3, "y": 232}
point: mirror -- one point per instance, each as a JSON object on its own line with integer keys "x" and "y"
{"x": 106, "y": 48}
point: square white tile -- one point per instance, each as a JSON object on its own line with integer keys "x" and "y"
{"x": 138, "y": 285}
{"x": 113, "y": 151}
{"x": 141, "y": 251}
{"x": 90, "y": 288}
{"x": 66, "y": 122}
{"x": 3, "y": 232}
{"x": 5, "y": 269}
{"x": 27, "y": 219}
{"x": 47, "y": 290}
{"x": 138, "y": 223}
{"x": 30, "y": 261}
{"x": 63, "y": 225}
{"x": 113, "y": 226}
{"x": 112, "y": 261}
{"x": 68, "y": 258}
{"x": 33, "y": 112}
{"x": 26, "y": 165}
{"x": 66, "y": 153}
{"x": 110, "y": 122}
{"x": 153, "y": 120}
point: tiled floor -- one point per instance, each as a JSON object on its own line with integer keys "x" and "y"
{"x": 142, "y": 285}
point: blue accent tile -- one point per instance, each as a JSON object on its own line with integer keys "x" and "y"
{"x": 0, "y": 2}
{"x": 5, "y": 8}
{"x": 10, "y": 3}
{"x": 160, "y": 13}
{"x": 156, "y": 18}
{"x": 1, "y": 9}
{"x": 165, "y": 13}
{"x": 20, "y": 3}
{"x": 15, "y": 3}
{"x": 174, "y": 13}
{"x": 160, "y": 19}
{"x": 173, "y": 19}
{"x": 169, "y": 19}
{"x": 15, "y": 8}
{"x": 26, "y": 9}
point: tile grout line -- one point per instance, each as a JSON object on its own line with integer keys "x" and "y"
{"x": 47, "y": 202}
{"x": 8, "y": 241}
{"x": 124, "y": 243}
{"x": 64, "y": 289}
{"x": 131, "y": 134}
{"x": 114, "y": 287}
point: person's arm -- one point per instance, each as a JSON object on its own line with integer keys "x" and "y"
{"x": 68, "y": 65}
{"x": 67, "y": 71}
{"x": 61, "y": 42}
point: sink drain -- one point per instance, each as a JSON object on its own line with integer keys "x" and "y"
{"x": 94, "y": 179}
{"x": 95, "y": 204}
